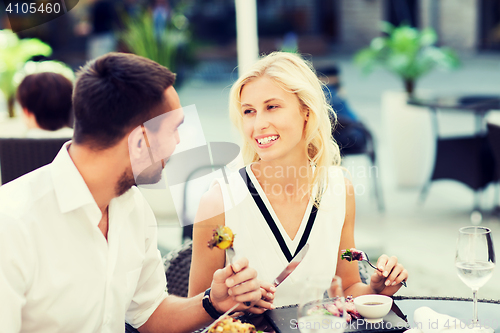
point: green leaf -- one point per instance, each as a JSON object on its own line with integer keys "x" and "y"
{"x": 407, "y": 52}
{"x": 14, "y": 53}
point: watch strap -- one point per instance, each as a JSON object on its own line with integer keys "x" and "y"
{"x": 209, "y": 307}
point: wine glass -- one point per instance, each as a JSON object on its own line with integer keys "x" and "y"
{"x": 475, "y": 260}
{"x": 322, "y": 305}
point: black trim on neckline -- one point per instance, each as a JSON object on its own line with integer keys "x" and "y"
{"x": 272, "y": 224}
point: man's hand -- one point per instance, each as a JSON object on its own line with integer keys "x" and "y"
{"x": 388, "y": 280}
{"x": 236, "y": 284}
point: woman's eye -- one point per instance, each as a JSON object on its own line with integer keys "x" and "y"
{"x": 272, "y": 107}
{"x": 247, "y": 111}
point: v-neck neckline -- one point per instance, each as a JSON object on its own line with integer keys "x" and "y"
{"x": 288, "y": 245}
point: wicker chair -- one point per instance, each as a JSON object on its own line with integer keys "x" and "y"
{"x": 177, "y": 265}
{"x": 20, "y": 156}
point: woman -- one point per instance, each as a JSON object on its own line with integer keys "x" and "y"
{"x": 292, "y": 190}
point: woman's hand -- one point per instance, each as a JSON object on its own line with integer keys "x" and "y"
{"x": 236, "y": 284}
{"x": 267, "y": 289}
{"x": 388, "y": 280}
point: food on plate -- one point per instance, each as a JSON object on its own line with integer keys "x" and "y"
{"x": 352, "y": 254}
{"x": 351, "y": 308}
{"x": 335, "y": 309}
{"x": 231, "y": 325}
{"x": 223, "y": 238}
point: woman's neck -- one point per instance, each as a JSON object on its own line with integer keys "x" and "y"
{"x": 289, "y": 181}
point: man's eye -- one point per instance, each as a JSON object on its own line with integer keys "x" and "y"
{"x": 272, "y": 107}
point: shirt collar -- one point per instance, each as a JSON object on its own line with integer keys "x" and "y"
{"x": 72, "y": 191}
{"x": 69, "y": 186}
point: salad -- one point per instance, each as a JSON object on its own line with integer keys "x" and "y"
{"x": 231, "y": 325}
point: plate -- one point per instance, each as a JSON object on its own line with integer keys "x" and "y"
{"x": 284, "y": 320}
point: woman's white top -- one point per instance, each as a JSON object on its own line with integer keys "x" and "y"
{"x": 265, "y": 242}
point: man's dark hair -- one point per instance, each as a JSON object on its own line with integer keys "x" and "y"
{"x": 114, "y": 94}
{"x": 48, "y": 97}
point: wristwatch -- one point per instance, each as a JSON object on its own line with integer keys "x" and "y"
{"x": 209, "y": 307}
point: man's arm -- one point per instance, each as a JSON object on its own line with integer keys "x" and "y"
{"x": 177, "y": 314}
{"x": 16, "y": 272}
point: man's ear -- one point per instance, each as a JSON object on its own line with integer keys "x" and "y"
{"x": 136, "y": 143}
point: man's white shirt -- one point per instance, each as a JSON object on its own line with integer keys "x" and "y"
{"x": 57, "y": 271}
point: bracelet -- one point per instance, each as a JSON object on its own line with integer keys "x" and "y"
{"x": 209, "y": 307}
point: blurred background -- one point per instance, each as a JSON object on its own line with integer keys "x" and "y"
{"x": 416, "y": 139}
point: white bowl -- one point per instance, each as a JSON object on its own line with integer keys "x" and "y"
{"x": 373, "y": 307}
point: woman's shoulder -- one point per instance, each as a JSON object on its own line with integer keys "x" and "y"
{"x": 211, "y": 203}
{"x": 337, "y": 172}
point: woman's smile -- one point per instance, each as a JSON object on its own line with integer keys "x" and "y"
{"x": 265, "y": 141}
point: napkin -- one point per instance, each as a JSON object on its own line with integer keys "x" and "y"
{"x": 429, "y": 321}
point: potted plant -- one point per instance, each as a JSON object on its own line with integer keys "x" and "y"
{"x": 407, "y": 52}
{"x": 14, "y": 53}
{"x": 410, "y": 54}
{"x": 170, "y": 47}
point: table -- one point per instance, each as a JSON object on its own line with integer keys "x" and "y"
{"x": 466, "y": 159}
{"x": 460, "y": 308}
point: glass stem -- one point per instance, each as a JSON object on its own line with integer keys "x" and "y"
{"x": 474, "y": 301}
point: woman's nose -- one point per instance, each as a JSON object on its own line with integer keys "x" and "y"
{"x": 261, "y": 121}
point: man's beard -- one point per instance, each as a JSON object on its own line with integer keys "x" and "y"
{"x": 151, "y": 175}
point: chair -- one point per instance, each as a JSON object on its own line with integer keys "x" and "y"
{"x": 20, "y": 156}
{"x": 494, "y": 140}
{"x": 366, "y": 146}
{"x": 177, "y": 265}
{"x": 468, "y": 160}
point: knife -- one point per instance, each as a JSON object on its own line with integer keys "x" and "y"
{"x": 291, "y": 266}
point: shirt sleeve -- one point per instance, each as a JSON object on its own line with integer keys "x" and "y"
{"x": 16, "y": 272}
{"x": 151, "y": 287}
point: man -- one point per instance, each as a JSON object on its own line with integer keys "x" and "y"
{"x": 78, "y": 241}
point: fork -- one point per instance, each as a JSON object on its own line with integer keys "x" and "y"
{"x": 230, "y": 256}
{"x": 365, "y": 258}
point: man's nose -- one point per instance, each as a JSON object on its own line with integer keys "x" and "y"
{"x": 177, "y": 137}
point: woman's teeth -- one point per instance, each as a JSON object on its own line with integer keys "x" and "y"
{"x": 268, "y": 139}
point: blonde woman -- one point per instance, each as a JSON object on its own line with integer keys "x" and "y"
{"x": 291, "y": 192}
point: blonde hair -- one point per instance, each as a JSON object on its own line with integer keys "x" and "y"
{"x": 295, "y": 75}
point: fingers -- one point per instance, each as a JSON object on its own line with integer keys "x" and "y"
{"x": 393, "y": 271}
{"x": 268, "y": 295}
{"x": 402, "y": 277}
{"x": 261, "y": 306}
{"x": 240, "y": 264}
{"x": 391, "y": 279}
{"x": 268, "y": 287}
{"x": 386, "y": 264}
{"x": 245, "y": 294}
{"x": 221, "y": 275}
{"x": 243, "y": 276}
